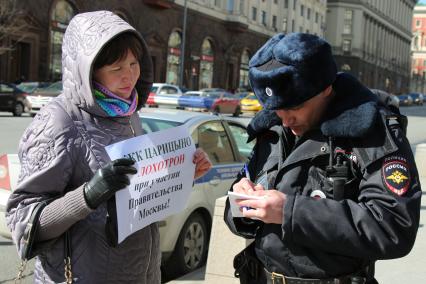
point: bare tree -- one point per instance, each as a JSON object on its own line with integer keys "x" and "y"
{"x": 12, "y": 23}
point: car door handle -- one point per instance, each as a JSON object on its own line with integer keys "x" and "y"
{"x": 214, "y": 181}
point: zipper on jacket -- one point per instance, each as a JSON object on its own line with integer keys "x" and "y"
{"x": 131, "y": 127}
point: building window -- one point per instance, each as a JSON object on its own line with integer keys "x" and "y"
{"x": 274, "y": 22}
{"x": 347, "y": 29}
{"x": 264, "y": 18}
{"x": 424, "y": 62}
{"x": 308, "y": 14}
{"x": 253, "y": 13}
{"x": 275, "y": 1}
{"x": 59, "y": 20}
{"x": 302, "y": 10}
{"x": 286, "y": 4}
{"x": 347, "y": 26}
{"x": 285, "y": 25}
{"x": 348, "y": 15}
{"x": 346, "y": 46}
{"x": 173, "y": 58}
{"x": 294, "y": 5}
{"x": 418, "y": 23}
{"x": 293, "y": 28}
{"x": 230, "y": 6}
{"x": 206, "y": 65}
{"x": 244, "y": 70}
{"x": 316, "y": 17}
{"x": 301, "y": 29}
{"x": 216, "y": 3}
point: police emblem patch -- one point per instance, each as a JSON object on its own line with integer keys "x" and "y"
{"x": 269, "y": 92}
{"x": 396, "y": 175}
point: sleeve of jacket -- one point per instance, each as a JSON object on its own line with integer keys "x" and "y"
{"x": 47, "y": 154}
{"x": 381, "y": 224}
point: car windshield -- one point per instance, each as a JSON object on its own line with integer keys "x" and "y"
{"x": 55, "y": 87}
{"x": 194, "y": 94}
{"x": 211, "y": 95}
{"x": 28, "y": 87}
{"x": 154, "y": 89}
{"x": 153, "y": 124}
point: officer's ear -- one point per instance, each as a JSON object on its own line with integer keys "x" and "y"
{"x": 328, "y": 91}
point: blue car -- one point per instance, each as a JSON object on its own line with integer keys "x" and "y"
{"x": 405, "y": 100}
{"x": 417, "y": 98}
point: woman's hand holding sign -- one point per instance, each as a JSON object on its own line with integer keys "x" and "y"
{"x": 202, "y": 163}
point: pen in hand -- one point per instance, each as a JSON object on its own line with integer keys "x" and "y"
{"x": 247, "y": 173}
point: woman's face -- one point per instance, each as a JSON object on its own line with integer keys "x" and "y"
{"x": 120, "y": 77}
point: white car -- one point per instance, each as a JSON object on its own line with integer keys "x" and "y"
{"x": 41, "y": 97}
{"x": 164, "y": 94}
{"x": 184, "y": 236}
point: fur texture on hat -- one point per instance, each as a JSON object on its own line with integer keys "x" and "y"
{"x": 290, "y": 69}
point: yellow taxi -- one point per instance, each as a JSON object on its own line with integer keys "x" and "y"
{"x": 250, "y": 104}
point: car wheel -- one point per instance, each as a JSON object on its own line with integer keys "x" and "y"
{"x": 18, "y": 110}
{"x": 237, "y": 112}
{"x": 191, "y": 248}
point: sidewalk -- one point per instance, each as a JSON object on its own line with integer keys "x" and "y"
{"x": 409, "y": 269}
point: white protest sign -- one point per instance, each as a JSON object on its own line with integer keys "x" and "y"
{"x": 163, "y": 182}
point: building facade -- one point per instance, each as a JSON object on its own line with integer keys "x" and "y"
{"x": 220, "y": 36}
{"x": 371, "y": 40}
{"x": 418, "y": 50}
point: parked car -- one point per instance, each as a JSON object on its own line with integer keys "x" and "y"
{"x": 250, "y": 104}
{"x": 405, "y": 100}
{"x": 184, "y": 237}
{"x": 417, "y": 98}
{"x": 212, "y": 90}
{"x": 163, "y": 94}
{"x": 30, "y": 87}
{"x": 217, "y": 102}
{"x": 43, "y": 96}
{"x": 13, "y": 100}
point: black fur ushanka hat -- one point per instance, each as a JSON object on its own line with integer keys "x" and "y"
{"x": 290, "y": 69}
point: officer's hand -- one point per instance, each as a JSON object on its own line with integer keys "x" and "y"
{"x": 202, "y": 163}
{"x": 246, "y": 186}
{"x": 107, "y": 181}
{"x": 269, "y": 209}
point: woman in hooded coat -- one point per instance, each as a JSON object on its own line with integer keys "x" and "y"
{"x": 107, "y": 75}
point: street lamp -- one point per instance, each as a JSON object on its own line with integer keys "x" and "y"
{"x": 182, "y": 50}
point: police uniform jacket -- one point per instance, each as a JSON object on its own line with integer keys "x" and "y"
{"x": 324, "y": 233}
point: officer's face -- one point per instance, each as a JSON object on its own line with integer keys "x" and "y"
{"x": 304, "y": 117}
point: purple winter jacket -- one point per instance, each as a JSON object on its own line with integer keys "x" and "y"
{"x": 61, "y": 150}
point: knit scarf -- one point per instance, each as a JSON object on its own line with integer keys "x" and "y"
{"x": 112, "y": 104}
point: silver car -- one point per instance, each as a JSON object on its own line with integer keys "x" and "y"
{"x": 184, "y": 236}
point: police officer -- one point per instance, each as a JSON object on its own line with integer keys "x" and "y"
{"x": 337, "y": 179}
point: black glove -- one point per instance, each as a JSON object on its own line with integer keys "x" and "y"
{"x": 107, "y": 181}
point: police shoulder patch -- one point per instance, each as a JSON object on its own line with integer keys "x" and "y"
{"x": 396, "y": 174}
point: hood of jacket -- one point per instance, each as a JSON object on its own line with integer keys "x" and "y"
{"x": 352, "y": 113}
{"x": 86, "y": 35}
